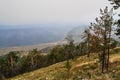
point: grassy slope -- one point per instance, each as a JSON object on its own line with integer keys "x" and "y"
{"x": 82, "y": 67}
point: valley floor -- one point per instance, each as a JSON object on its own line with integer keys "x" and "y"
{"x": 4, "y": 51}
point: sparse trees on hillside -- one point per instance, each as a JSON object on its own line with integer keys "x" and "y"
{"x": 102, "y": 30}
{"x": 87, "y": 36}
{"x": 70, "y": 40}
{"x": 4, "y": 68}
{"x": 24, "y": 64}
{"x": 12, "y": 59}
{"x": 33, "y": 59}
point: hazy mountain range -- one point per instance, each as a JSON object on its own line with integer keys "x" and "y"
{"x": 25, "y": 35}
{"x": 78, "y": 33}
{"x": 22, "y": 35}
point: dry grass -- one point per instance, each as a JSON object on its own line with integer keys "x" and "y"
{"x": 82, "y": 68}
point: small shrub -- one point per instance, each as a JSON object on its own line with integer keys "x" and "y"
{"x": 117, "y": 77}
{"x": 60, "y": 76}
{"x": 117, "y": 50}
{"x": 68, "y": 65}
{"x": 77, "y": 78}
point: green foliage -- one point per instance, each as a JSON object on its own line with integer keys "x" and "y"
{"x": 60, "y": 76}
{"x": 24, "y": 64}
{"x": 116, "y": 50}
{"x": 115, "y": 3}
{"x": 101, "y": 36}
{"x": 118, "y": 27}
{"x": 15, "y": 64}
{"x": 68, "y": 65}
{"x": 80, "y": 69}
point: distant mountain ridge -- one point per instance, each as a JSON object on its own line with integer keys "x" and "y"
{"x": 23, "y": 35}
{"x": 77, "y": 34}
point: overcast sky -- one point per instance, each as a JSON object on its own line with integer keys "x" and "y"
{"x": 49, "y": 11}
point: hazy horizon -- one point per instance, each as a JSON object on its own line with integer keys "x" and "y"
{"x": 12, "y": 36}
{"x": 20, "y": 12}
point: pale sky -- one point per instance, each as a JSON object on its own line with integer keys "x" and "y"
{"x": 49, "y": 11}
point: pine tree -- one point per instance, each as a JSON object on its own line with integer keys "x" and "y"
{"x": 102, "y": 30}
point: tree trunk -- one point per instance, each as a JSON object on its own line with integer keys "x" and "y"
{"x": 104, "y": 52}
{"x": 103, "y": 60}
{"x": 88, "y": 48}
{"x": 108, "y": 50}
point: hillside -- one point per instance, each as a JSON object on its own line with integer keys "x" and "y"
{"x": 81, "y": 68}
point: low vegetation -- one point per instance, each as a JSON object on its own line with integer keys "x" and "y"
{"x": 81, "y": 68}
{"x": 14, "y": 64}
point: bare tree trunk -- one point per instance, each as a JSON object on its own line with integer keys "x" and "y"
{"x": 11, "y": 64}
{"x": 104, "y": 52}
{"x": 88, "y": 44}
{"x": 32, "y": 61}
{"x": 108, "y": 50}
{"x": 103, "y": 60}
